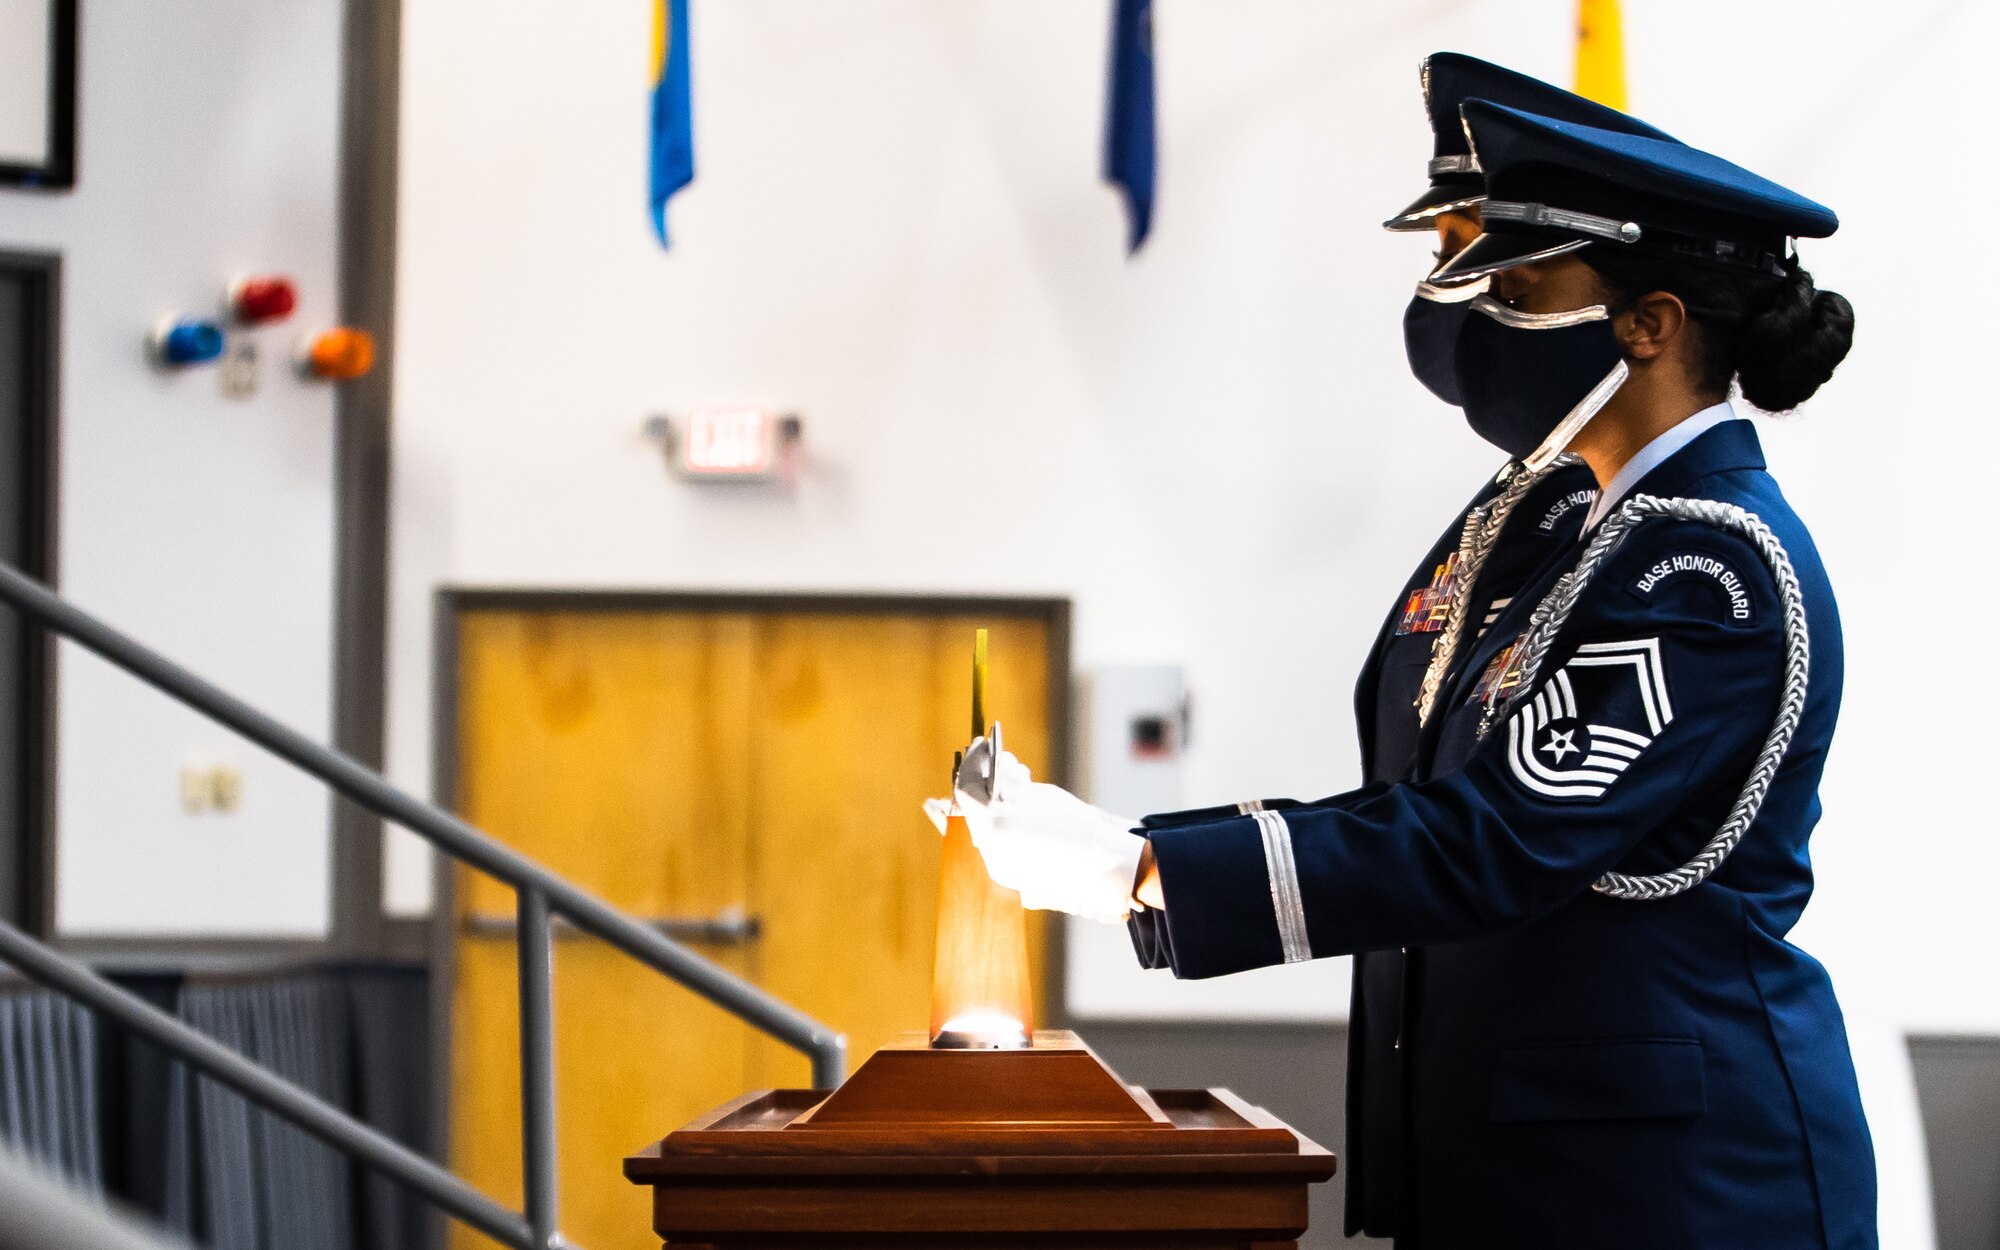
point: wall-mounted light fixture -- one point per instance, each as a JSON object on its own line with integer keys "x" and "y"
{"x": 729, "y": 442}
{"x": 177, "y": 342}
{"x": 340, "y": 354}
{"x": 262, "y": 299}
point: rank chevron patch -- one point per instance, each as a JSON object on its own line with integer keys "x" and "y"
{"x": 1588, "y": 723}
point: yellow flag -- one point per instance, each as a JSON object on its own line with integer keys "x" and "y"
{"x": 1600, "y": 53}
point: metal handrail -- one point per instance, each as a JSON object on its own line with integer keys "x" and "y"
{"x": 542, "y": 897}
{"x": 37, "y": 1212}
{"x": 75, "y": 980}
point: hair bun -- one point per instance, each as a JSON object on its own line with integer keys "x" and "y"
{"x": 1789, "y": 349}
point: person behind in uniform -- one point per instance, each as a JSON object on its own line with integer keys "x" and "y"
{"x": 1601, "y": 842}
{"x": 1516, "y": 521}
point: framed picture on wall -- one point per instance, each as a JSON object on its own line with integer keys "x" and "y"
{"x": 38, "y": 93}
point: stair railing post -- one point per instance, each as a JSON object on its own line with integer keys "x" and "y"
{"x": 829, "y": 1062}
{"x": 535, "y": 949}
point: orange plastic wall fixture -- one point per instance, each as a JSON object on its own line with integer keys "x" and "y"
{"x": 339, "y": 355}
{"x": 981, "y": 998}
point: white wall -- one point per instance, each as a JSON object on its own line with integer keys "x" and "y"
{"x": 207, "y": 145}
{"x": 24, "y": 80}
{"x": 898, "y": 227}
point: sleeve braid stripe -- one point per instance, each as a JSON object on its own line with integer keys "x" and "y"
{"x": 1287, "y": 904}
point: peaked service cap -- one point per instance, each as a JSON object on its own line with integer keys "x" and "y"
{"x": 1554, "y": 186}
{"x": 1449, "y": 80}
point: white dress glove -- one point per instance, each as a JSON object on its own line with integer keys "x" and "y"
{"x": 1058, "y": 851}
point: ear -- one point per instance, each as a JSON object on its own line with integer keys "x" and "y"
{"x": 1650, "y": 325}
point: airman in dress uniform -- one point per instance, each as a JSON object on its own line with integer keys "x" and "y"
{"x": 1600, "y": 844}
{"x": 1477, "y": 565}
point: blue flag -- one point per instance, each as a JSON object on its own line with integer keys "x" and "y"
{"x": 1128, "y": 123}
{"x": 673, "y": 128}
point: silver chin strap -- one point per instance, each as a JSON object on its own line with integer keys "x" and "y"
{"x": 1570, "y": 426}
{"x": 1483, "y": 524}
{"x": 1452, "y": 294}
{"x": 1555, "y": 608}
{"x": 1508, "y": 315}
{"x": 1590, "y": 405}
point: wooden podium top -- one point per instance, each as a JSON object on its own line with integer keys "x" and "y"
{"x": 990, "y": 1149}
{"x": 1054, "y": 1107}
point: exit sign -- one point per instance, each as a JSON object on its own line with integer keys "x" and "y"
{"x": 729, "y": 443}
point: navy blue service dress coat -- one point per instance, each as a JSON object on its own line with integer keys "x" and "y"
{"x": 1543, "y": 525}
{"x": 1581, "y": 1071}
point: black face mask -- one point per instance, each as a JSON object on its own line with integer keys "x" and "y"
{"x": 1430, "y": 339}
{"x": 1518, "y": 375}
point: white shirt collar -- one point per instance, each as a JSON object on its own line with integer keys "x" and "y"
{"x": 1654, "y": 454}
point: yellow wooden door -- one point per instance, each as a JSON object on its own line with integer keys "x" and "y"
{"x": 692, "y": 764}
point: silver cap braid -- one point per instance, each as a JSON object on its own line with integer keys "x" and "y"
{"x": 1554, "y": 609}
{"x": 1475, "y": 542}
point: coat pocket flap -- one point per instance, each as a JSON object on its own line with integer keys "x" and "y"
{"x": 1637, "y": 1078}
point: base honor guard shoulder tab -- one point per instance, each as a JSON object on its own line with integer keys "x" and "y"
{"x": 1574, "y": 505}
{"x": 1691, "y": 575}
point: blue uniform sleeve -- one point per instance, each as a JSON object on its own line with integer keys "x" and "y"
{"x": 1643, "y": 723}
{"x": 1209, "y": 815}
{"x": 1150, "y": 940}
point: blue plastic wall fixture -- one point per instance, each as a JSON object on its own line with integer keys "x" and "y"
{"x": 179, "y": 342}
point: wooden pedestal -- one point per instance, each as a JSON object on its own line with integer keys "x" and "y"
{"x": 966, "y": 1148}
